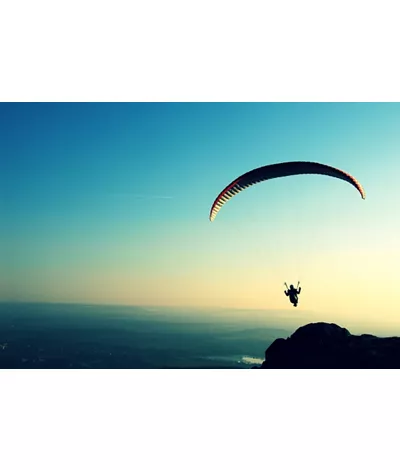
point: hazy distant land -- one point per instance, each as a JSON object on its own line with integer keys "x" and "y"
{"x": 92, "y": 336}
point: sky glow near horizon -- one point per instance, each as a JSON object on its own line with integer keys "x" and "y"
{"x": 109, "y": 203}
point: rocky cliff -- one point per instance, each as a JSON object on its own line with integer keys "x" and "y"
{"x": 329, "y": 346}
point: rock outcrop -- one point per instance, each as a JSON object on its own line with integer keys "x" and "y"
{"x": 329, "y": 346}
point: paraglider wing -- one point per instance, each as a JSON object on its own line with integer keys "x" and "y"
{"x": 279, "y": 170}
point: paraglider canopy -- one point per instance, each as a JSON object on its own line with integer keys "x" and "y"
{"x": 279, "y": 170}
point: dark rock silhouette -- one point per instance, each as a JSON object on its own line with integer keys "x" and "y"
{"x": 329, "y": 346}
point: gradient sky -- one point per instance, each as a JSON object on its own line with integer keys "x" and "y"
{"x": 109, "y": 203}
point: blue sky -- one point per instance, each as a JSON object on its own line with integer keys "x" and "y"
{"x": 109, "y": 202}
